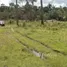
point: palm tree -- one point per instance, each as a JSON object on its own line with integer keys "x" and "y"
{"x": 32, "y": 1}
{"x": 17, "y": 13}
{"x": 32, "y": 10}
{"x": 42, "y": 22}
{"x": 11, "y": 4}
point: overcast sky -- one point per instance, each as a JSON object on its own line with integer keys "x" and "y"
{"x": 45, "y": 2}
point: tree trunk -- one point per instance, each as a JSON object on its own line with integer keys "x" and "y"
{"x": 32, "y": 3}
{"x": 42, "y": 22}
{"x": 17, "y": 21}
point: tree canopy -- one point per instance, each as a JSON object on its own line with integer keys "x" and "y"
{"x": 31, "y": 12}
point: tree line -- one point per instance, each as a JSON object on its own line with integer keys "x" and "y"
{"x": 30, "y": 12}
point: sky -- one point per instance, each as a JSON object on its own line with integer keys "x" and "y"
{"x": 56, "y": 3}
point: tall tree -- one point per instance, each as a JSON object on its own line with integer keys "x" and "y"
{"x": 17, "y": 21}
{"x": 32, "y": 9}
{"x": 32, "y": 1}
{"x": 42, "y": 22}
{"x": 12, "y": 5}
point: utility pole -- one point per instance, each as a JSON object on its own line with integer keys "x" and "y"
{"x": 42, "y": 22}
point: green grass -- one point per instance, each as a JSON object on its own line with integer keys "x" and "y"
{"x": 15, "y": 54}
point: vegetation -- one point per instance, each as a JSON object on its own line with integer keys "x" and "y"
{"x": 49, "y": 39}
{"x": 25, "y": 41}
{"x": 30, "y": 12}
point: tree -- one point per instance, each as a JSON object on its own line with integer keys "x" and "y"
{"x": 42, "y": 22}
{"x": 17, "y": 21}
{"x": 12, "y": 5}
{"x": 32, "y": 1}
{"x": 32, "y": 10}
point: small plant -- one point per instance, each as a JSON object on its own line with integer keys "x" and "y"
{"x": 24, "y": 24}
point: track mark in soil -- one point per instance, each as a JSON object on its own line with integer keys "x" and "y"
{"x": 57, "y": 51}
{"x": 34, "y": 51}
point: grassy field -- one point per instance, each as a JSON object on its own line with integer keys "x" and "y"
{"x": 34, "y": 45}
